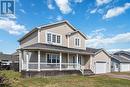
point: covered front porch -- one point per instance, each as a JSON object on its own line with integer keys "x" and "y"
{"x": 41, "y": 60}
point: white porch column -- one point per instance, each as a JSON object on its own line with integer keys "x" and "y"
{"x": 68, "y": 59}
{"x": 60, "y": 60}
{"x": 27, "y": 60}
{"x": 39, "y": 58}
{"x": 20, "y": 60}
{"x": 77, "y": 60}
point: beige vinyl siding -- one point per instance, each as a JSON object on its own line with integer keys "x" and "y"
{"x": 29, "y": 40}
{"x": 62, "y": 29}
{"x": 72, "y": 41}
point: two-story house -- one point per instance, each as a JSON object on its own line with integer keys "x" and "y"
{"x": 57, "y": 48}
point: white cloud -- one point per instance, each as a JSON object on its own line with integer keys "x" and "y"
{"x": 50, "y": 4}
{"x": 93, "y": 11}
{"x": 78, "y": 1}
{"x": 59, "y": 18}
{"x": 11, "y": 16}
{"x": 12, "y": 27}
{"x": 99, "y": 40}
{"x": 101, "y": 2}
{"x": 116, "y": 11}
{"x": 115, "y": 50}
{"x": 64, "y": 6}
{"x": 22, "y": 10}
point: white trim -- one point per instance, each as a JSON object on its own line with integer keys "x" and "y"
{"x": 68, "y": 59}
{"x": 39, "y": 58}
{"x": 52, "y": 33}
{"x": 79, "y": 42}
{"x": 77, "y": 60}
{"x": 60, "y": 60}
{"x": 27, "y": 59}
{"x": 38, "y": 36}
{"x": 20, "y": 61}
{"x": 68, "y": 41}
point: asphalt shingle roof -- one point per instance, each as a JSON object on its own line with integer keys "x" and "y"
{"x": 125, "y": 52}
{"x": 92, "y": 50}
{"x": 120, "y": 58}
{"x": 42, "y": 46}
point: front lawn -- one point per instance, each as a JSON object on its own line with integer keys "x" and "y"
{"x": 13, "y": 80}
{"x": 74, "y": 81}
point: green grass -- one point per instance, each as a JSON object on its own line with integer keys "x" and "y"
{"x": 74, "y": 81}
{"x": 14, "y": 80}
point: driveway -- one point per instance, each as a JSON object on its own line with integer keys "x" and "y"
{"x": 122, "y": 76}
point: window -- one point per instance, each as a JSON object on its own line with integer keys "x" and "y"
{"x": 58, "y": 39}
{"x": 48, "y": 37}
{"x": 49, "y": 58}
{"x": 79, "y": 59}
{"x": 53, "y": 38}
{"x": 77, "y": 42}
{"x": 116, "y": 65}
{"x": 52, "y": 58}
{"x": 74, "y": 60}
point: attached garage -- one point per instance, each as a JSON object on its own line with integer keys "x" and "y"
{"x": 124, "y": 67}
{"x": 100, "y": 62}
{"x": 101, "y": 67}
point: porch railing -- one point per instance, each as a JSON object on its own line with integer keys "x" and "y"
{"x": 52, "y": 66}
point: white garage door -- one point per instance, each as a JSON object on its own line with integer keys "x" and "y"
{"x": 101, "y": 67}
{"x": 125, "y": 67}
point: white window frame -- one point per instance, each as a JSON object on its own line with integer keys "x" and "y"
{"x": 55, "y": 43}
{"x": 79, "y": 42}
{"x": 51, "y": 57}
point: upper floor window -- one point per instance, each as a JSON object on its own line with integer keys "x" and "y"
{"x": 48, "y": 37}
{"x": 58, "y": 39}
{"x": 53, "y": 38}
{"x": 77, "y": 42}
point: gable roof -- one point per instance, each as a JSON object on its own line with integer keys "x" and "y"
{"x": 74, "y": 32}
{"x": 120, "y": 58}
{"x": 124, "y": 52}
{"x": 96, "y": 51}
{"x": 52, "y": 24}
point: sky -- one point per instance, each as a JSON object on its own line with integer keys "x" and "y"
{"x": 105, "y": 22}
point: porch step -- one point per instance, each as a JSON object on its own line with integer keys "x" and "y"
{"x": 88, "y": 72}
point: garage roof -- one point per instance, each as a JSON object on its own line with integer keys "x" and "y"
{"x": 120, "y": 58}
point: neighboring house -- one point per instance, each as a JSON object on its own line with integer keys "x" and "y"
{"x": 9, "y": 61}
{"x": 59, "y": 47}
{"x": 120, "y": 61}
{"x": 125, "y": 54}
{"x": 15, "y": 61}
{"x": 5, "y": 59}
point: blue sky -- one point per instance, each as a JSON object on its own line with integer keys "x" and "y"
{"x": 105, "y": 22}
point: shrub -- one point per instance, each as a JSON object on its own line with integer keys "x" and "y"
{"x": 10, "y": 77}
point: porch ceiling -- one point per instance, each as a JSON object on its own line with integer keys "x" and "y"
{"x": 50, "y": 47}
